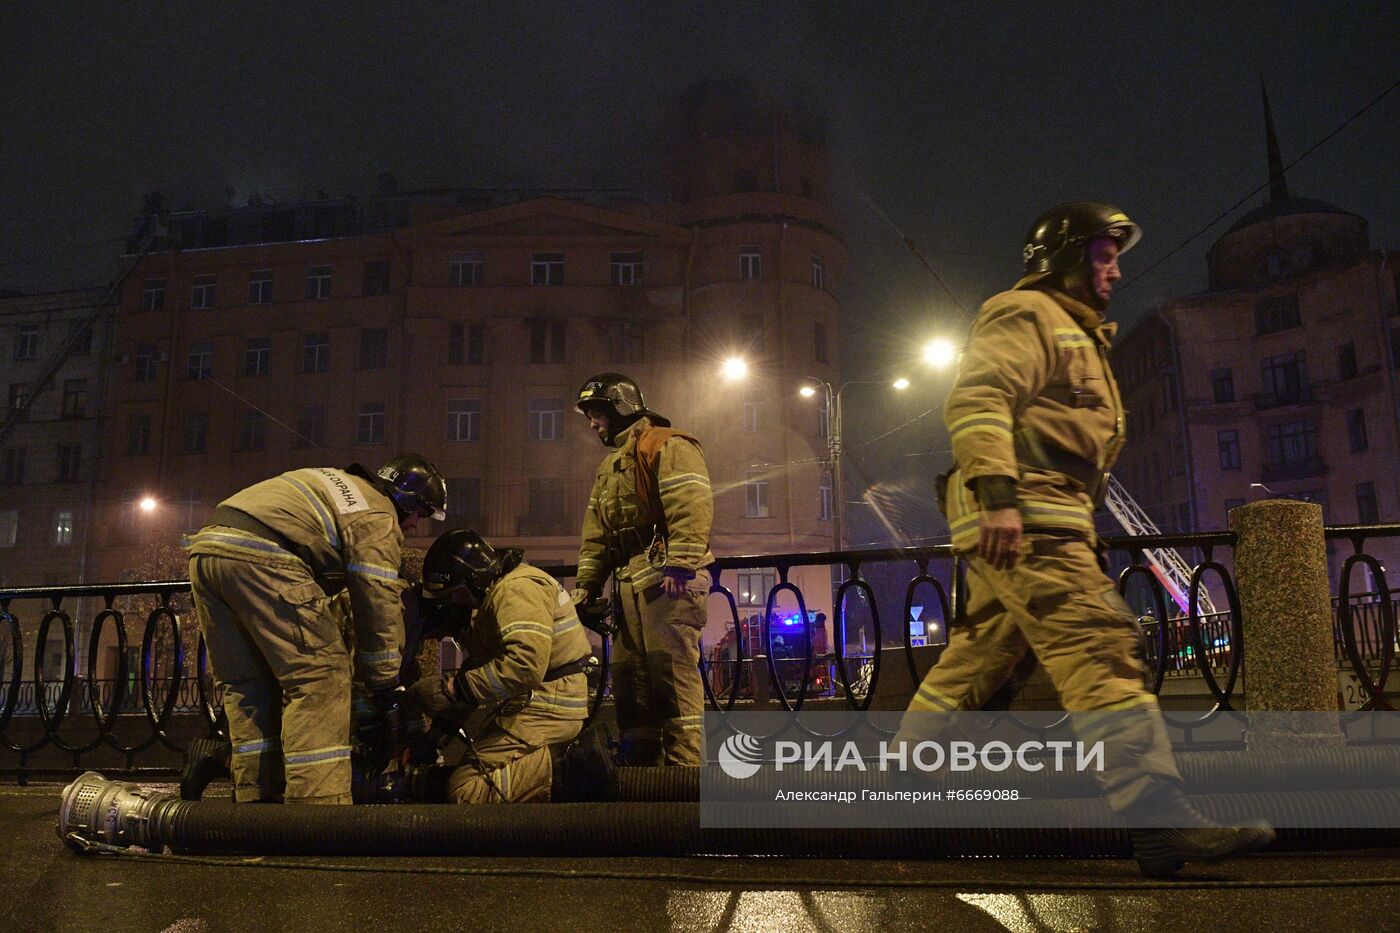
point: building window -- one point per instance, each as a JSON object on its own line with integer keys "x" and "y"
{"x": 200, "y": 361}
{"x": 626, "y": 342}
{"x": 466, "y": 269}
{"x": 1356, "y": 429}
{"x": 1346, "y": 361}
{"x": 1276, "y": 264}
{"x": 257, "y": 356}
{"x": 626, "y": 268}
{"x": 26, "y": 341}
{"x": 145, "y": 363}
{"x": 75, "y": 398}
{"x": 369, "y": 425}
{"x": 1272, "y": 315}
{"x": 260, "y": 287}
{"x": 464, "y": 501}
{"x": 818, "y": 273}
{"x": 374, "y": 348}
{"x": 824, "y": 498}
{"x": 546, "y": 419}
{"x": 751, "y": 410}
{"x": 191, "y": 510}
{"x": 1176, "y": 456}
{"x": 138, "y": 434}
{"x": 63, "y": 527}
{"x": 1229, "y": 444}
{"x": 205, "y": 292}
{"x": 316, "y": 353}
{"x": 196, "y": 434}
{"x": 9, "y": 527}
{"x": 464, "y": 419}
{"x": 750, "y": 263}
{"x": 318, "y": 283}
{"x": 755, "y": 497}
{"x": 19, "y": 395}
{"x": 547, "y": 341}
{"x": 12, "y": 467}
{"x": 1367, "y": 510}
{"x": 82, "y": 340}
{"x": 546, "y": 513}
{"x": 1292, "y": 443}
{"x": 466, "y": 343}
{"x": 70, "y": 463}
{"x": 252, "y": 430}
{"x": 546, "y": 268}
{"x": 1222, "y": 385}
{"x": 1284, "y": 380}
{"x": 752, "y": 324}
{"x": 311, "y": 426}
{"x": 753, "y": 588}
{"x": 153, "y": 295}
{"x": 376, "y": 277}
{"x": 819, "y": 343}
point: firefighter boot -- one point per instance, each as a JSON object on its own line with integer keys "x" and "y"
{"x": 1168, "y": 832}
{"x": 205, "y": 761}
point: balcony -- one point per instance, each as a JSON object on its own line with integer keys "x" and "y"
{"x": 1294, "y": 469}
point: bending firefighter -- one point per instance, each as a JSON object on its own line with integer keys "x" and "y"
{"x": 648, "y": 524}
{"x": 1036, "y": 421}
{"x": 263, "y": 572}
{"x": 524, "y": 673}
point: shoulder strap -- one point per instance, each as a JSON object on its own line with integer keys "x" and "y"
{"x": 648, "y": 456}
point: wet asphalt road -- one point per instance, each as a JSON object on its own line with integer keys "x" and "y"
{"x": 43, "y": 886}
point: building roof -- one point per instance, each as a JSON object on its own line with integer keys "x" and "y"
{"x": 1285, "y": 207}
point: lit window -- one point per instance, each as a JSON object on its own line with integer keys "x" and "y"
{"x": 63, "y": 527}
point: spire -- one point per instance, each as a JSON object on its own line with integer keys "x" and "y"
{"x": 1278, "y": 185}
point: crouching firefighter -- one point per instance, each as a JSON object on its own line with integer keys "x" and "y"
{"x": 522, "y": 688}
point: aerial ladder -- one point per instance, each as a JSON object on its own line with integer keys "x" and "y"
{"x": 1167, "y": 565}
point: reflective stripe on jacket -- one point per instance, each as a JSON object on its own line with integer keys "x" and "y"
{"x": 525, "y": 627}
{"x": 347, "y": 527}
{"x": 687, "y": 503}
{"x": 1034, "y": 393}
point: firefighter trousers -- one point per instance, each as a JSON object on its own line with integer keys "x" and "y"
{"x": 1058, "y": 603}
{"x": 511, "y": 763}
{"x": 278, "y": 654}
{"x": 656, "y": 674}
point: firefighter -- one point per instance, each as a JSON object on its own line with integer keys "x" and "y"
{"x": 264, "y": 571}
{"x": 526, "y": 656}
{"x": 648, "y": 524}
{"x": 1036, "y": 421}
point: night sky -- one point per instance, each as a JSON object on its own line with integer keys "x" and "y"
{"x": 959, "y": 122}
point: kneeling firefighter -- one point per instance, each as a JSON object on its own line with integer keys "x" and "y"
{"x": 524, "y": 673}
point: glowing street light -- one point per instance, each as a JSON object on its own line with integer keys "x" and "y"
{"x": 807, "y": 391}
{"x": 147, "y": 504}
{"x": 940, "y": 353}
{"x": 901, "y": 383}
{"x": 734, "y": 368}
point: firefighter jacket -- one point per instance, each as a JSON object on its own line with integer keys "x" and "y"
{"x": 1034, "y": 400}
{"x": 636, "y": 535}
{"x": 525, "y": 628}
{"x": 343, "y": 529}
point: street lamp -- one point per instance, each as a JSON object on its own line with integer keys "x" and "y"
{"x": 147, "y": 504}
{"x": 833, "y": 441}
{"x": 940, "y": 353}
{"x": 734, "y": 368}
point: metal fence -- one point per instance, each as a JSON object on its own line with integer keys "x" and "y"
{"x": 171, "y": 678}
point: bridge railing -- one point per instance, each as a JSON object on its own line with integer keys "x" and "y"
{"x": 77, "y": 711}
